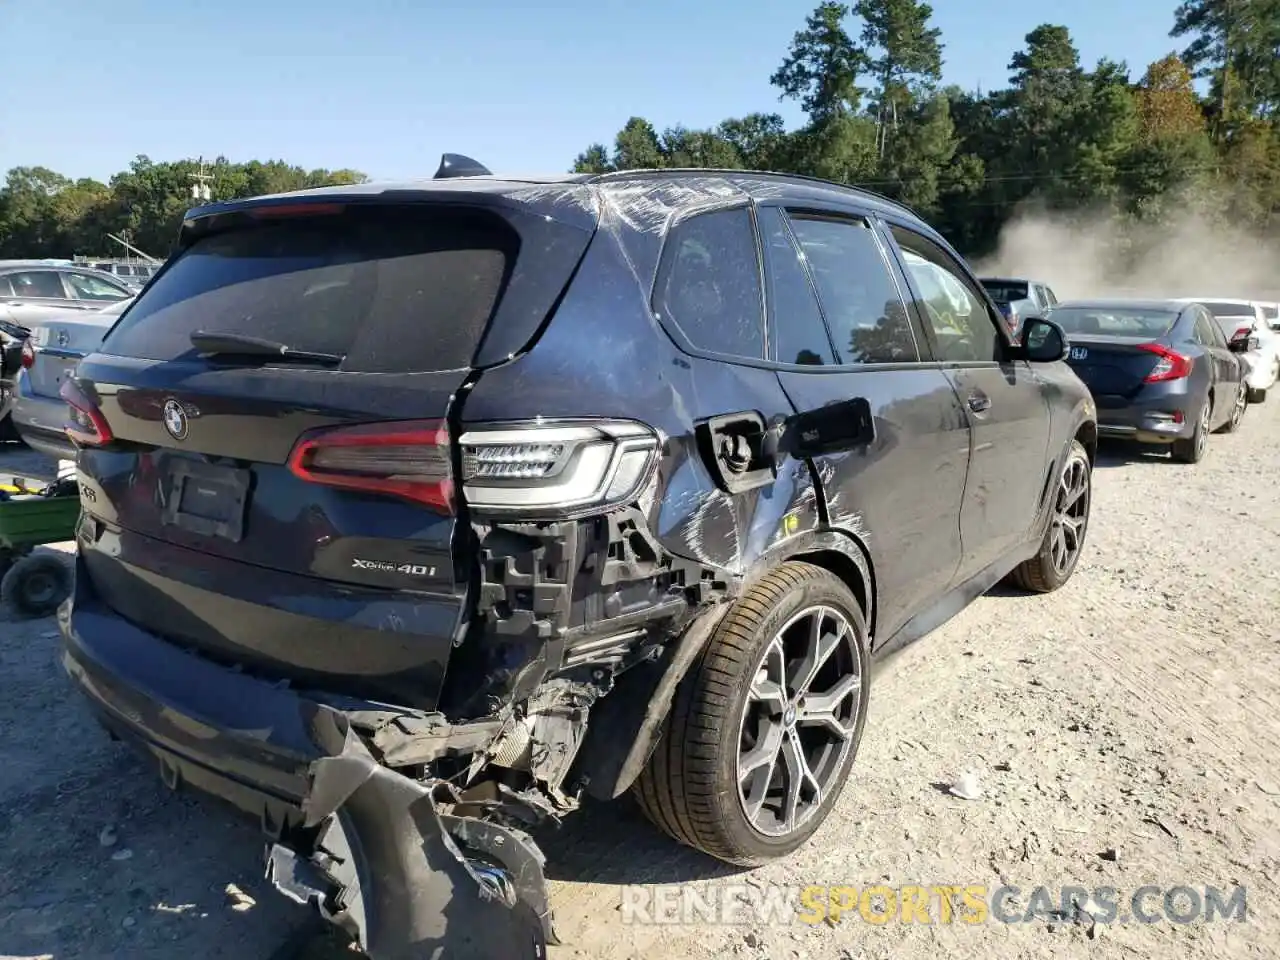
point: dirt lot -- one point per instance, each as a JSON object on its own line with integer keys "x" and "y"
{"x": 1124, "y": 731}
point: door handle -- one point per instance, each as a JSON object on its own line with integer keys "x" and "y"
{"x": 979, "y": 402}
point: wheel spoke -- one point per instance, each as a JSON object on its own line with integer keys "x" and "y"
{"x": 767, "y": 687}
{"x": 818, "y": 650}
{"x": 799, "y": 779}
{"x": 765, "y": 751}
{"x": 820, "y": 709}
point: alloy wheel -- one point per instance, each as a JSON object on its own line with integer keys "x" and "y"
{"x": 1202, "y": 431}
{"x": 1242, "y": 400}
{"x": 1070, "y": 514}
{"x": 799, "y": 720}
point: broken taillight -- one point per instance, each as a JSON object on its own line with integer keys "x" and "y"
{"x": 85, "y": 424}
{"x": 408, "y": 459}
{"x": 1171, "y": 365}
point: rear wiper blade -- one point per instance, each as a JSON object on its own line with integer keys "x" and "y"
{"x": 239, "y": 345}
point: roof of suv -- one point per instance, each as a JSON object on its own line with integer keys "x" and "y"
{"x": 643, "y": 198}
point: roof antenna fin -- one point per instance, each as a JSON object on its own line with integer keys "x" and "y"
{"x": 458, "y": 165}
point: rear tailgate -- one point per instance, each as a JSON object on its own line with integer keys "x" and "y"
{"x": 1112, "y": 367}
{"x": 211, "y": 519}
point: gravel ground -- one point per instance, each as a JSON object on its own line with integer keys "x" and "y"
{"x": 1123, "y": 731}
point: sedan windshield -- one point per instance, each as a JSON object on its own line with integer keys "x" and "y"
{"x": 1114, "y": 320}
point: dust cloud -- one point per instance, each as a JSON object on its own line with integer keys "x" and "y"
{"x": 1101, "y": 255}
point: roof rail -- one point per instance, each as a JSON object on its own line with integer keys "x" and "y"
{"x": 772, "y": 174}
{"x": 459, "y": 165}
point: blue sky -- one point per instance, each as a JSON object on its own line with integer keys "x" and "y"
{"x": 386, "y": 86}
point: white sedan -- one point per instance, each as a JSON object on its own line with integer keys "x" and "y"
{"x": 1239, "y": 319}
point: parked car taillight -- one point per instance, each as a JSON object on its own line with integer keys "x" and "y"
{"x": 1170, "y": 366}
{"x": 85, "y": 425}
{"x": 28, "y": 355}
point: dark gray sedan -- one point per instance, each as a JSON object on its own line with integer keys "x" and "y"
{"x": 1160, "y": 371}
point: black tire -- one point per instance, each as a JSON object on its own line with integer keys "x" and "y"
{"x": 691, "y": 787}
{"x": 36, "y": 585}
{"x": 1049, "y": 569}
{"x": 1194, "y": 447}
{"x": 1239, "y": 405}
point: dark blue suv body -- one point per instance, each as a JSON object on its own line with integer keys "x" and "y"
{"x": 415, "y": 513}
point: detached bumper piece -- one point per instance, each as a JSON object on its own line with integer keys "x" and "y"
{"x": 406, "y": 880}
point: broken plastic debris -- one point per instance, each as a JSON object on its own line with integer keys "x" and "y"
{"x": 240, "y": 901}
{"x": 107, "y": 836}
{"x": 125, "y": 854}
{"x": 967, "y": 786}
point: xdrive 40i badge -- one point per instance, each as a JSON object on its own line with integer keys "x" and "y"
{"x": 384, "y": 566}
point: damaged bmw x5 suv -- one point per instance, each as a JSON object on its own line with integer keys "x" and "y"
{"x": 415, "y": 515}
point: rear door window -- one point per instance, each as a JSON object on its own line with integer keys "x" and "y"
{"x": 860, "y": 301}
{"x": 709, "y": 283}
{"x": 393, "y": 289}
{"x": 797, "y": 331}
{"x": 38, "y": 284}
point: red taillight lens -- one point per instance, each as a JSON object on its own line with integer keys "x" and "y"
{"x": 85, "y": 424}
{"x": 28, "y": 354}
{"x": 1241, "y": 333}
{"x": 1170, "y": 366}
{"x": 409, "y": 459}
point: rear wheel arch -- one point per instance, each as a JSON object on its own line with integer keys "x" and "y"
{"x": 855, "y": 572}
{"x": 1087, "y": 437}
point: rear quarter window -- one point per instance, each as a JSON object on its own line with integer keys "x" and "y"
{"x": 395, "y": 290}
{"x": 709, "y": 283}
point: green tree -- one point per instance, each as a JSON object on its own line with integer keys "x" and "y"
{"x": 907, "y": 58}
{"x": 822, "y": 66}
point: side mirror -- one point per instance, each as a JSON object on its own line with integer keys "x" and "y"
{"x": 1043, "y": 341}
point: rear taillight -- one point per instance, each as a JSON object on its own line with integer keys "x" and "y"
{"x": 556, "y": 469}
{"x": 407, "y": 459}
{"x": 1241, "y": 333}
{"x": 535, "y": 470}
{"x": 1170, "y": 366}
{"x": 85, "y": 424}
{"x": 28, "y": 355}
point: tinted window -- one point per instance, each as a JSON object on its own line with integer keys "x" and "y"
{"x": 1226, "y": 308}
{"x": 799, "y": 334}
{"x": 394, "y": 289}
{"x": 1115, "y": 320}
{"x": 709, "y": 283}
{"x": 963, "y": 328}
{"x": 866, "y": 315}
{"x": 1049, "y": 298}
{"x": 87, "y": 287}
{"x": 1006, "y": 291}
{"x": 37, "y": 283}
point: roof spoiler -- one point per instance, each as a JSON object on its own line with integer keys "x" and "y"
{"x": 458, "y": 165}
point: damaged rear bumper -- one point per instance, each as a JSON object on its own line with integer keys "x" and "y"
{"x": 408, "y": 867}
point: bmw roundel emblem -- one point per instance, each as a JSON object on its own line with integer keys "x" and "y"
{"x": 175, "y": 419}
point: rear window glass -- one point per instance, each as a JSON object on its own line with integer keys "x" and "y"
{"x": 1271, "y": 312}
{"x": 1006, "y": 293}
{"x": 1114, "y": 321}
{"x": 1227, "y": 309}
{"x": 393, "y": 289}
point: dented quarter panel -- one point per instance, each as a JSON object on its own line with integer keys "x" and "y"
{"x": 912, "y": 475}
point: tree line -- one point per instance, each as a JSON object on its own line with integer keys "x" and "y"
{"x": 868, "y": 76}
{"x": 1143, "y": 148}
